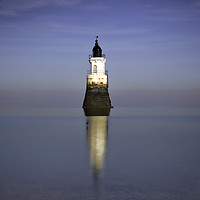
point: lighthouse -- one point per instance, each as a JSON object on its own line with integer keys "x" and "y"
{"x": 96, "y": 95}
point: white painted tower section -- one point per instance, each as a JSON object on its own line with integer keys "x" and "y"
{"x": 97, "y": 73}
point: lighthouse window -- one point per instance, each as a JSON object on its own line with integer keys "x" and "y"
{"x": 95, "y": 69}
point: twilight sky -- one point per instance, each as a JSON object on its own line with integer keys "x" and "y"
{"x": 152, "y": 49}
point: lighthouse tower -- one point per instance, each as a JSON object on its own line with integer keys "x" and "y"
{"x": 97, "y": 96}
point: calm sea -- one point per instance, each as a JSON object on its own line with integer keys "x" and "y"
{"x": 135, "y": 153}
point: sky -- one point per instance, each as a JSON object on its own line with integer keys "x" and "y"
{"x": 152, "y": 49}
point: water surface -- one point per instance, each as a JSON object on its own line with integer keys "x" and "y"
{"x": 135, "y": 153}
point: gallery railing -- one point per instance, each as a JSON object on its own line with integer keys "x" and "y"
{"x": 103, "y": 55}
{"x": 98, "y": 72}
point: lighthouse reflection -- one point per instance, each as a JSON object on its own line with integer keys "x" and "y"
{"x": 97, "y": 131}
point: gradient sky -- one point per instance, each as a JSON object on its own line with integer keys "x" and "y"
{"x": 152, "y": 49}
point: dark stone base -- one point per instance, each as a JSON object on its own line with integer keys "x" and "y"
{"x": 97, "y": 97}
{"x": 97, "y": 111}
